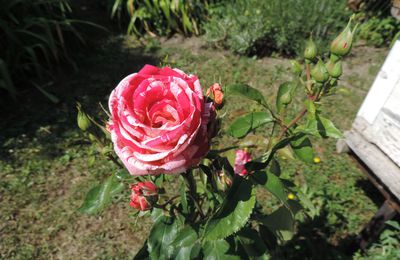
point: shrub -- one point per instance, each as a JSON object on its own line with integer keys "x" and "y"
{"x": 260, "y": 27}
{"x": 377, "y": 26}
{"x": 379, "y": 31}
{"x": 159, "y": 17}
{"x": 33, "y": 38}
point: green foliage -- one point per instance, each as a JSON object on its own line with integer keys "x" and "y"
{"x": 161, "y": 237}
{"x": 379, "y": 31}
{"x": 245, "y": 124}
{"x": 160, "y": 17}
{"x": 245, "y": 91}
{"x": 341, "y": 207}
{"x": 34, "y": 36}
{"x": 302, "y": 147}
{"x": 387, "y": 246}
{"x": 235, "y": 211}
{"x": 100, "y": 196}
{"x": 260, "y": 27}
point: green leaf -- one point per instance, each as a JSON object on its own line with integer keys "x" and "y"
{"x": 284, "y": 96}
{"x": 253, "y": 244}
{"x": 246, "y": 91}
{"x": 302, "y": 147}
{"x": 186, "y": 244}
{"x": 100, "y": 196}
{"x": 244, "y": 124}
{"x": 162, "y": 234}
{"x": 217, "y": 250}
{"x": 327, "y": 128}
{"x": 310, "y": 127}
{"x": 280, "y": 222}
{"x": 234, "y": 212}
{"x": 274, "y": 185}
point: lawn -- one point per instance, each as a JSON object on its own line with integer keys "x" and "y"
{"x": 47, "y": 165}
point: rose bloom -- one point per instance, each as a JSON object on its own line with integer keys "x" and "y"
{"x": 242, "y": 157}
{"x": 141, "y": 192}
{"x": 160, "y": 121}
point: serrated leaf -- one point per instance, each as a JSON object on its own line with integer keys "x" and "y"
{"x": 217, "y": 250}
{"x": 244, "y": 124}
{"x": 246, "y": 91}
{"x": 100, "y": 196}
{"x": 161, "y": 236}
{"x": 234, "y": 212}
{"x": 327, "y": 128}
{"x": 302, "y": 147}
{"x": 186, "y": 244}
{"x": 280, "y": 222}
{"x": 272, "y": 183}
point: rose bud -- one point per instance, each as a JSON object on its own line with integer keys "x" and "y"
{"x": 319, "y": 72}
{"x": 83, "y": 120}
{"x": 310, "y": 51}
{"x": 242, "y": 157}
{"x": 144, "y": 194}
{"x": 296, "y": 67}
{"x": 343, "y": 42}
{"x": 334, "y": 68}
{"x": 218, "y": 95}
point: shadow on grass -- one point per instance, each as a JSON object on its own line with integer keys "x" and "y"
{"x": 33, "y": 118}
{"x": 311, "y": 241}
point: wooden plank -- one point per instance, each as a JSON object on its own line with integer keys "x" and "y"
{"x": 380, "y": 164}
{"x": 386, "y": 80}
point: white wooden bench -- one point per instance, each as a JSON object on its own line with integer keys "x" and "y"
{"x": 374, "y": 141}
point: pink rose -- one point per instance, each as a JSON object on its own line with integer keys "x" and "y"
{"x": 242, "y": 157}
{"x": 141, "y": 193}
{"x": 159, "y": 121}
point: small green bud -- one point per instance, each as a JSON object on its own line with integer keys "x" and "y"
{"x": 319, "y": 72}
{"x": 343, "y": 42}
{"x": 334, "y": 68}
{"x": 310, "y": 51}
{"x": 82, "y": 119}
{"x": 296, "y": 67}
{"x": 92, "y": 138}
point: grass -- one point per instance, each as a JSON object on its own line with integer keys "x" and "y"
{"x": 47, "y": 165}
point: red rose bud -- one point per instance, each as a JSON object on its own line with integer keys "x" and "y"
{"x": 218, "y": 95}
{"x": 144, "y": 194}
{"x": 343, "y": 42}
{"x": 319, "y": 72}
{"x": 334, "y": 68}
{"x": 242, "y": 157}
{"x": 310, "y": 51}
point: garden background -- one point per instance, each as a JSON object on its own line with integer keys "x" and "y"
{"x": 56, "y": 52}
